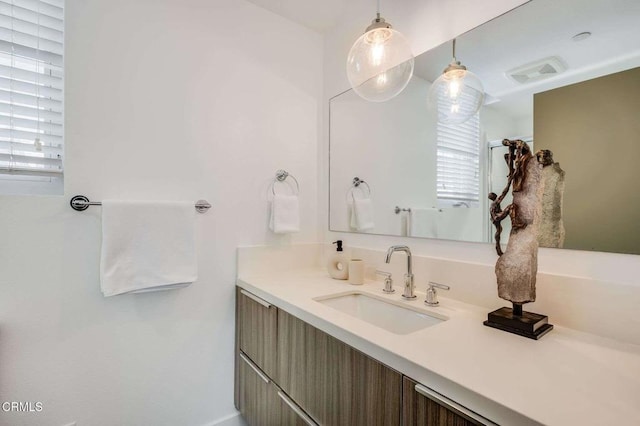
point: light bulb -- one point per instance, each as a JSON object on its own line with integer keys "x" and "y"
{"x": 455, "y": 81}
{"x": 377, "y": 39}
{"x": 380, "y": 63}
{"x": 456, "y": 96}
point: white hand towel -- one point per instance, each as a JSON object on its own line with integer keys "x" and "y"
{"x": 424, "y": 223}
{"x": 147, "y": 246}
{"x": 362, "y": 214}
{"x": 285, "y": 214}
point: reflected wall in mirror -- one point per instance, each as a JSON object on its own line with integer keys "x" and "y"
{"x": 432, "y": 180}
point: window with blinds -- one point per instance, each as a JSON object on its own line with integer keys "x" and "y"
{"x": 458, "y": 163}
{"x": 31, "y": 89}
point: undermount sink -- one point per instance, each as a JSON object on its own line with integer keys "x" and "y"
{"x": 387, "y": 314}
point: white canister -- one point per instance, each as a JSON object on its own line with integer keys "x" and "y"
{"x": 356, "y": 271}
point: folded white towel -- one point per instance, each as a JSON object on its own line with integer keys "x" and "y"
{"x": 362, "y": 214}
{"x": 424, "y": 223}
{"x": 147, "y": 246}
{"x": 285, "y": 214}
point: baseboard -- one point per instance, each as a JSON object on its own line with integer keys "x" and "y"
{"x": 234, "y": 419}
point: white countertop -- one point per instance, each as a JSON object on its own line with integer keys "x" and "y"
{"x": 566, "y": 378}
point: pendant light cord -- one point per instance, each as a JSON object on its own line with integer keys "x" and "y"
{"x": 454, "y": 50}
{"x": 378, "y": 9}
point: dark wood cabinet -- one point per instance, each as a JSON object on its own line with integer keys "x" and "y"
{"x": 257, "y": 326}
{"x": 424, "y": 407}
{"x": 335, "y": 383}
{"x": 258, "y": 398}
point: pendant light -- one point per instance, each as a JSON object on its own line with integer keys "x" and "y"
{"x": 380, "y": 62}
{"x": 457, "y": 94}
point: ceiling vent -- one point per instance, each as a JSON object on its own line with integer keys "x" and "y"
{"x": 538, "y": 70}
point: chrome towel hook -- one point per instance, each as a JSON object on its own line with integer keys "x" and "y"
{"x": 355, "y": 183}
{"x": 281, "y": 176}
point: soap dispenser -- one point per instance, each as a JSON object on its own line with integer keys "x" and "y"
{"x": 338, "y": 264}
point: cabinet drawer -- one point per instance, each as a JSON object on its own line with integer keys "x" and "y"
{"x": 335, "y": 383}
{"x": 256, "y": 396}
{"x": 262, "y": 403}
{"x": 291, "y": 413}
{"x": 422, "y": 406}
{"x": 257, "y": 330}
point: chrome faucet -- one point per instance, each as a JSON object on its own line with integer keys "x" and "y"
{"x": 409, "y": 287}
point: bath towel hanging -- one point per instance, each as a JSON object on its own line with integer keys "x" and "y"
{"x": 285, "y": 208}
{"x": 147, "y": 246}
{"x": 361, "y": 208}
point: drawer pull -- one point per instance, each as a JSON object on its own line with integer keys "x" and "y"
{"x": 308, "y": 420}
{"x": 255, "y": 298}
{"x": 452, "y": 405}
{"x": 254, "y": 368}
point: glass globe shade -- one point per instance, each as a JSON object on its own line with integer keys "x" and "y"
{"x": 456, "y": 95}
{"x": 380, "y": 64}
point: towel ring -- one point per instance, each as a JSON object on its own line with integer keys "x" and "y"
{"x": 356, "y": 184}
{"x": 281, "y": 176}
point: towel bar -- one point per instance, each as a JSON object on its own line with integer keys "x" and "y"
{"x": 397, "y": 210}
{"x": 80, "y": 203}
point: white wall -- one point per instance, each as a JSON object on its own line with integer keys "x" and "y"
{"x": 498, "y": 124}
{"x": 426, "y": 25}
{"x": 171, "y": 100}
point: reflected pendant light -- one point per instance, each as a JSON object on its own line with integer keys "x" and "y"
{"x": 457, "y": 94}
{"x": 380, "y": 62}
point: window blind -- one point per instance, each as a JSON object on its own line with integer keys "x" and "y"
{"x": 31, "y": 88}
{"x": 458, "y": 162}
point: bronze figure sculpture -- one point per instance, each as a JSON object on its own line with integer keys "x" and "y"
{"x": 517, "y": 266}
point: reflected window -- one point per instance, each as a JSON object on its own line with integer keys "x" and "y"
{"x": 458, "y": 163}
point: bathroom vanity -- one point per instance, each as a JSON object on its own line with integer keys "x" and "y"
{"x": 290, "y": 372}
{"x": 308, "y": 353}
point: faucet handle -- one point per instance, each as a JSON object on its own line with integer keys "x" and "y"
{"x": 388, "y": 281}
{"x": 432, "y": 294}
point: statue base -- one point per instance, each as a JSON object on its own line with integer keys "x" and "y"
{"x": 515, "y": 320}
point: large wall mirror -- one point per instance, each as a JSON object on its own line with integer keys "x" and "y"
{"x": 562, "y": 75}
